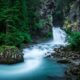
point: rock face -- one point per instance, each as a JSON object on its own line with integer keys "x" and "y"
{"x": 46, "y": 11}
{"x": 10, "y": 55}
{"x": 73, "y": 19}
{"x": 73, "y": 72}
{"x": 72, "y": 58}
{"x": 66, "y": 54}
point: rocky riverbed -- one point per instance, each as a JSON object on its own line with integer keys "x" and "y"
{"x": 67, "y": 56}
{"x": 10, "y": 55}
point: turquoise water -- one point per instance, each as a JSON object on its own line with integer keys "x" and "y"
{"x": 35, "y": 66}
{"x": 44, "y": 69}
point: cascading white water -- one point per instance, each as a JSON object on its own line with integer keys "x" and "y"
{"x": 34, "y": 65}
{"x": 39, "y": 50}
{"x": 59, "y": 36}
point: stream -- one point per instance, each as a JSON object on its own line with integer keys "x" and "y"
{"x": 35, "y": 65}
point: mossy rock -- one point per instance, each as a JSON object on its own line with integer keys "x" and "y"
{"x": 10, "y": 55}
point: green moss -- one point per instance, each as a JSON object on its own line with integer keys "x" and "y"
{"x": 5, "y": 48}
{"x": 10, "y": 55}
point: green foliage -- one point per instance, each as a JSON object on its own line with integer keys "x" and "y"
{"x": 16, "y": 38}
{"x": 49, "y": 34}
{"x": 18, "y": 21}
{"x": 74, "y": 40}
{"x": 4, "y": 47}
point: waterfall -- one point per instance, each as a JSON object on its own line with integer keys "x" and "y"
{"x": 39, "y": 50}
{"x": 59, "y": 36}
{"x": 34, "y": 62}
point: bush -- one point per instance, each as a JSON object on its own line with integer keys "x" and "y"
{"x": 74, "y": 40}
{"x": 16, "y": 38}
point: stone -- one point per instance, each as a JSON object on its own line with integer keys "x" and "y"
{"x": 10, "y": 55}
{"x": 64, "y": 61}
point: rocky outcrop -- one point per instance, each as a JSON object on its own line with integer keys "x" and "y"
{"x": 73, "y": 72}
{"x": 10, "y": 55}
{"x": 65, "y": 55}
{"x": 73, "y": 19}
{"x": 46, "y": 11}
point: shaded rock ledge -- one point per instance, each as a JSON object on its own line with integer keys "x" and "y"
{"x": 10, "y": 55}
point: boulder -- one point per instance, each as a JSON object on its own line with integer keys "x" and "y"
{"x": 63, "y": 60}
{"x": 10, "y": 55}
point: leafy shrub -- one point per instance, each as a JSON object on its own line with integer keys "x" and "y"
{"x": 16, "y": 38}
{"x": 74, "y": 40}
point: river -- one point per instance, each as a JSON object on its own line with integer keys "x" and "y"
{"x": 35, "y": 65}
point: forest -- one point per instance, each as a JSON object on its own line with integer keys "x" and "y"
{"x": 25, "y": 23}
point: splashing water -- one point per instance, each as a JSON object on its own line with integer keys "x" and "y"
{"x": 39, "y": 50}
{"x": 34, "y": 66}
{"x": 59, "y": 36}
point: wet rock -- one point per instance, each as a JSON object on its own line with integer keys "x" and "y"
{"x": 75, "y": 62}
{"x": 73, "y": 72}
{"x": 63, "y": 60}
{"x": 65, "y": 52}
{"x": 67, "y": 56}
{"x": 47, "y": 55}
{"x": 10, "y": 55}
